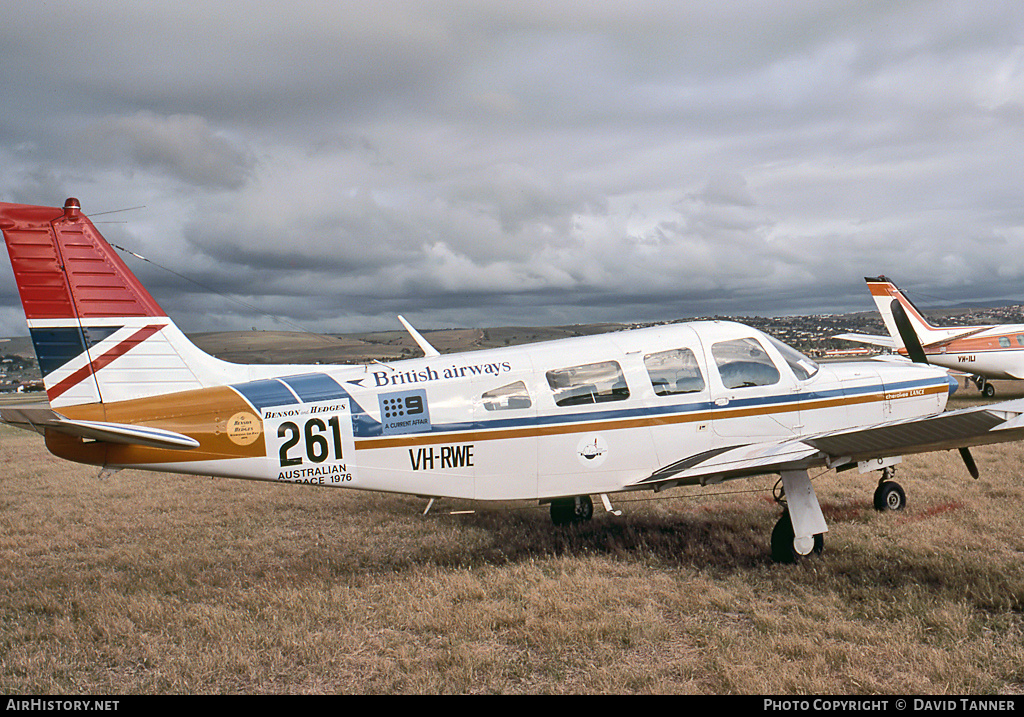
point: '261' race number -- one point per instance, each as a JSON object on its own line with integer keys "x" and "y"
{"x": 318, "y": 439}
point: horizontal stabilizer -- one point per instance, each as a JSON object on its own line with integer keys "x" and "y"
{"x": 885, "y": 341}
{"x": 956, "y": 337}
{"x": 41, "y": 419}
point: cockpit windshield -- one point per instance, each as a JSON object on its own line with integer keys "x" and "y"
{"x": 802, "y": 366}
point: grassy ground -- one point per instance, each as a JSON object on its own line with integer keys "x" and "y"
{"x": 147, "y": 583}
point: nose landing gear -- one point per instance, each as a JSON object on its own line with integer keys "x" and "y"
{"x": 889, "y": 495}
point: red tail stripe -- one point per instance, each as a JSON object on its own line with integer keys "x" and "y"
{"x": 103, "y": 360}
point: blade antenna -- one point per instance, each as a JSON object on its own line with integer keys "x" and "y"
{"x": 428, "y": 350}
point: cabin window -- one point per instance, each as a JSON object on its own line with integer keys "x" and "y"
{"x": 743, "y": 362}
{"x": 507, "y": 397}
{"x": 590, "y": 383}
{"x": 1004, "y": 341}
{"x": 674, "y": 371}
{"x": 802, "y": 366}
{"x": 1020, "y": 339}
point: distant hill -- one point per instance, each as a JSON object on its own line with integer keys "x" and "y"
{"x": 973, "y": 306}
{"x": 297, "y": 347}
{"x": 18, "y": 346}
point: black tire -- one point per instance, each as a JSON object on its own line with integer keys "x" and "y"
{"x": 566, "y": 511}
{"x": 783, "y": 550}
{"x": 889, "y": 495}
{"x": 988, "y": 391}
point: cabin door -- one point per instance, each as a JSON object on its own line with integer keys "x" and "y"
{"x": 752, "y": 396}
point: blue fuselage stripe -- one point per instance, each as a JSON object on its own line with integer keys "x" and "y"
{"x": 315, "y": 387}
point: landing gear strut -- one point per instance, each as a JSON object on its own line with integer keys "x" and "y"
{"x": 801, "y": 529}
{"x": 983, "y": 384}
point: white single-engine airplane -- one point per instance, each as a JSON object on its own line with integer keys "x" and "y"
{"x": 554, "y": 422}
{"x": 980, "y": 352}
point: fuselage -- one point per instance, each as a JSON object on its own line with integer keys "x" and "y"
{"x": 992, "y": 351}
{"x": 595, "y": 414}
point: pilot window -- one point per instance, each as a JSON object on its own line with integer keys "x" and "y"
{"x": 802, "y": 366}
{"x": 590, "y": 383}
{"x": 742, "y": 362}
{"x": 673, "y": 372}
{"x": 507, "y": 397}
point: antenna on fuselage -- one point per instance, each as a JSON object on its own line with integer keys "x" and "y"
{"x": 428, "y": 350}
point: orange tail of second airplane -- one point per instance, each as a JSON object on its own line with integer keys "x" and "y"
{"x": 98, "y": 334}
{"x": 885, "y": 293}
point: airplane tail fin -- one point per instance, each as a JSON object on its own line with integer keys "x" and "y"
{"x": 885, "y": 293}
{"x": 98, "y": 334}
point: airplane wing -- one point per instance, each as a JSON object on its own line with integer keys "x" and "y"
{"x": 976, "y": 426}
{"x": 871, "y": 339}
{"x": 41, "y": 419}
{"x": 888, "y": 342}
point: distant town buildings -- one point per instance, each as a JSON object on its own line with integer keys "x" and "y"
{"x": 19, "y": 374}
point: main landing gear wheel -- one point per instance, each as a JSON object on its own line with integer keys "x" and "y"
{"x": 889, "y": 495}
{"x": 566, "y": 511}
{"x": 984, "y": 385}
{"x": 784, "y": 548}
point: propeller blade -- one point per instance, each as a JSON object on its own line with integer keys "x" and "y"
{"x": 908, "y": 334}
{"x": 972, "y": 467}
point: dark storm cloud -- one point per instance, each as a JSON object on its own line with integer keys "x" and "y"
{"x": 180, "y": 147}
{"x": 479, "y": 162}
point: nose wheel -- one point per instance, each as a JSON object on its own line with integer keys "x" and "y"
{"x": 889, "y": 495}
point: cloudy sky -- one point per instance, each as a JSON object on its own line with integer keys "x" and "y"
{"x": 478, "y": 163}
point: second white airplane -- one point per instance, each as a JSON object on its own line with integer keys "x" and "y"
{"x": 994, "y": 351}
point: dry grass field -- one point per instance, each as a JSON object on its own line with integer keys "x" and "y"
{"x": 149, "y": 583}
